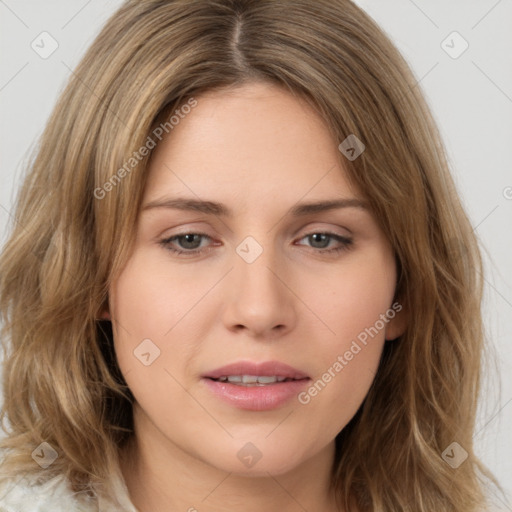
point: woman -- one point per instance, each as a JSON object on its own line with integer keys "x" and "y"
{"x": 241, "y": 276}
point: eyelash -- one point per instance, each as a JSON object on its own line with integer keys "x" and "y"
{"x": 346, "y": 243}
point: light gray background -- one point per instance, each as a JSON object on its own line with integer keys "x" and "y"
{"x": 471, "y": 97}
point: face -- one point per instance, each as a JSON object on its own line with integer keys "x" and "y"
{"x": 241, "y": 272}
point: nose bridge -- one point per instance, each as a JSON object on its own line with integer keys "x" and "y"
{"x": 253, "y": 265}
{"x": 253, "y": 269}
{"x": 259, "y": 299}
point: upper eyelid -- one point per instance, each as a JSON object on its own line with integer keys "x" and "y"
{"x": 307, "y": 230}
{"x": 307, "y": 233}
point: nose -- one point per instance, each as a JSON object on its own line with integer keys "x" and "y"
{"x": 259, "y": 297}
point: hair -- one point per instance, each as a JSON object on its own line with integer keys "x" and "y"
{"x": 61, "y": 381}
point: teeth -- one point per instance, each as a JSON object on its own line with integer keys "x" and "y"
{"x": 265, "y": 380}
{"x": 252, "y": 379}
{"x": 249, "y": 379}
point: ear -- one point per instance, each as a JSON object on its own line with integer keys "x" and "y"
{"x": 398, "y": 318}
{"x": 105, "y": 312}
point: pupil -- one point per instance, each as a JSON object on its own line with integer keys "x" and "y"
{"x": 190, "y": 241}
{"x": 320, "y": 237}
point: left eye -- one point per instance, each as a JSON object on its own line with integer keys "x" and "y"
{"x": 323, "y": 240}
{"x": 190, "y": 243}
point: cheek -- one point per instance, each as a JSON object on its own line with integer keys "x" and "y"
{"x": 159, "y": 325}
{"x": 353, "y": 303}
{"x": 351, "y": 297}
{"x": 349, "y": 364}
{"x": 149, "y": 310}
{"x": 151, "y": 300}
{"x": 143, "y": 310}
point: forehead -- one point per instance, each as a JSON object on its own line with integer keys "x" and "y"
{"x": 253, "y": 141}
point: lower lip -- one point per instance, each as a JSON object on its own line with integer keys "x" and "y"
{"x": 257, "y": 398}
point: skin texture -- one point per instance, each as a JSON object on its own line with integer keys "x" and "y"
{"x": 260, "y": 151}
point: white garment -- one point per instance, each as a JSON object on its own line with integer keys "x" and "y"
{"x": 22, "y": 494}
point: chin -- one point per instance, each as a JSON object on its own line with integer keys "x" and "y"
{"x": 252, "y": 460}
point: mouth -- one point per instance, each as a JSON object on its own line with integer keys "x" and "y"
{"x": 256, "y": 386}
{"x": 254, "y": 380}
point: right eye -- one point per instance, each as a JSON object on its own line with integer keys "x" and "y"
{"x": 187, "y": 243}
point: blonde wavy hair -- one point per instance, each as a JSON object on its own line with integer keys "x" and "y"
{"x": 61, "y": 380}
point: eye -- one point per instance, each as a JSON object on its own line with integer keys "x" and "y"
{"x": 191, "y": 243}
{"x": 187, "y": 243}
{"x": 321, "y": 241}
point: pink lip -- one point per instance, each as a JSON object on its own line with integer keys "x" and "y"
{"x": 267, "y": 368}
{"x": 257, "y": 398}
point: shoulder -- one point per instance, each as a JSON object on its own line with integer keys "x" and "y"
{"x": 33, "y": 494}
{"x": 23, "y": 494}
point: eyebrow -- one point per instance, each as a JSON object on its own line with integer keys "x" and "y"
{"x": 219, "y": 209}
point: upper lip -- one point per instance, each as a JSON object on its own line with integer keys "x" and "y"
{"x": 264, "y": 369}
